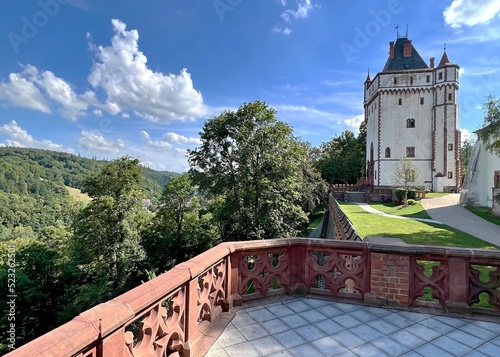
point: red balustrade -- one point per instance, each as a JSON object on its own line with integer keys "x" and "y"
{"x": 168, "y": 315}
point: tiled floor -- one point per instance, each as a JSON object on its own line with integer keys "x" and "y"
{"x": 315, "y": 328}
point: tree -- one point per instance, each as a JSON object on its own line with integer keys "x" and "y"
{"x": 489, "y": 132}
{"x": 105, "y": 247}
{"x": 181, "y": 228}
{"x": 253, "y": 161}
{"x": 342, "y": 159}
{"x": 405, "y": 176}
{"x": 466, "y": 153}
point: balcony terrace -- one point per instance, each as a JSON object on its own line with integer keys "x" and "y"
{"x": 357, "y": 297}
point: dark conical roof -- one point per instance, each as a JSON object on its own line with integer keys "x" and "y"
{"x": 400, "y": 62}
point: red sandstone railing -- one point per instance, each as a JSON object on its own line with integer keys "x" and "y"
{"x": 344, "y": 229}
{"x": 168, "y": 315}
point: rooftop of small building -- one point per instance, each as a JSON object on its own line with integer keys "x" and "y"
{"x": 402, "y": 62}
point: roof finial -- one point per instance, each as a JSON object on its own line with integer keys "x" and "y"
{"x": 397, "y": 30}
{"x": 445, "y": 47}
{"x": 406, "y": 31}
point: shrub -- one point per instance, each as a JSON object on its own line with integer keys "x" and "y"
{"x": 411, "y": 202}
{"x": 400, "y": 194}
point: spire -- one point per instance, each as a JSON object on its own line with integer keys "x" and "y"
{"x": 368, "y": 79}
{"x": 444, "y": 60}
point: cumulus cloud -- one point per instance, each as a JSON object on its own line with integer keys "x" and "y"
{"x": 470, "y": 13}
{"x": 168, "y": 140}
{"x": 282, "y": 30}
{"x": 302, "y": 11}
{"x": 121, "y": 71}
{"x": 181, "y": 139}
{"x": 21, "y": 92}
{"x": 155, "y": 144}
{"x": 20, "y": 138}
{"x": 354, "y": 123}
{"x": 98, "y": 144}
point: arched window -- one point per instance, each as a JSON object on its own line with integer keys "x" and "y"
{"x": 387, "y": 152}
{"x": 371, "y": 152}
{"x": 410, "y": 123}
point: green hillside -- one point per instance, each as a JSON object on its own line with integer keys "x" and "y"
{"x": 33, "y": 186}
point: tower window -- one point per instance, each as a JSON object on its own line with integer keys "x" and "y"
{"x": 395, "y": 80}
{"x": 400, "y": 101}
{"x": 411, "y": 80}
{"x": 450, "y": 174}
{"x": 450, "y": 147}
{"x": 421, "y": 100}
{"x": 410, "y": 123}
{"x": 450, "y": 97}
{"x": 387, "y": 152}
{"x": 440, "y": 75}
{"x": 428, "y": 79}
{"x": 410, "y": 151}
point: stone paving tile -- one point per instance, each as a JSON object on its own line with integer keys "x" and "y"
{"x": 242, "y": 319}
{"x": 452, "y": 346}
{"x": 298, "y": 305}
{"x": 452, "y": 321}
{"x": 349, "y": 340}
{"x": 244, "y": 349}
{"x": 477, "y": 331}
{"x": 306, "y": 350}
{"x": 412, "y": 354}
{"x": 431, "y": 350}
{"x": 329, "y": 311}
{"x": 346, "y": 320}
{"x": 475, "y": 353}
{"x": 490, "y": 326}
{"x": 346, "y": 307}
{"x": 389, "y": 346}
{"x": 398, "y": 320}
{"x": 489, "y": 349}
{"x": 437, "y": 326}
{"x": 363, "y": 315}
{"x": 281, "y": 310}
{"x": 330, "y": 327}
{"x": 315, "y": 303}
{"x": 369, "y": 350}
{"x": 465, "y": 338}
{"x": 294, "y": 321}
{"x": 252, "y": 332}
{"x": 496, "y": 341}
{"x": 261, "y": 315}
{"x": 366, "y": 332}
{"x": 423, "y": 332}
{"x": 231, "y": 337}
{"x": 407, "y": 339}
{"x": 329, "y": 346}
{"x": 275, "y": 326}
{"x": 284, "y": 353}
{"x": 312, "y": 316}
{"x": 267, "y": 345}
{"x": 383, "y": 326}
{"x": 310, "y": 333}
{"x": 289, "y": 339}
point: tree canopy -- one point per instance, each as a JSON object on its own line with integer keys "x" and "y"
{"x": 489, "y": 132}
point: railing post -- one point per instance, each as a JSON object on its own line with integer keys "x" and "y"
{"x": 459, "y": 286}
{"x": 297, "y": 269}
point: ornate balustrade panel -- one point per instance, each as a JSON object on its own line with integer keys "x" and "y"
{"x": 263, "y": 272}
{"x": 161, "y": 331}
{"x": 484, "y": 284}
{"x": 429, "y": 280}
{"x": 338, "y": 272}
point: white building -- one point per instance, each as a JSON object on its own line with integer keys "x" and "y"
{"x": 483, "y": 174}
{"x": 411, "y": 111}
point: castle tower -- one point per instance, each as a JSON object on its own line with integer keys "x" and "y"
{"x": 411, "y": 111}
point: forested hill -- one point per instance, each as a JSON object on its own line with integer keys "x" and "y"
{"x": 32, "y": 185}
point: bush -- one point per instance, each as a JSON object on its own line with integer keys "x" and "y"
{"x": 411, "y": 202}
{"x": 400, "y": 194}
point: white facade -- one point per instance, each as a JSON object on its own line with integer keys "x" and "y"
{"x": 483, "y": 173}
{"x": 411, "y": 111}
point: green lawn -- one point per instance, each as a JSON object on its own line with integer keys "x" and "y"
{"x": 414, "y": 211}
{"x": 436, "y": 194}
{"x": 410, "y": 231}
{"x": 485, "y": 213}
{"x": 316, "y": 217}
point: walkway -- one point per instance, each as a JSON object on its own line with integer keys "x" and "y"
{"x": 447, "y": 209}
{"x": 370, "y": 209}
{"x": 316, "y": 328}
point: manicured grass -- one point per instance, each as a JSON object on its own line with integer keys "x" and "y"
{"x": 414, "y": 211}
{"x": 410, "y": 231}
{"x": 78, "y": 195}
{"x": 436, "y": 194}
{"x": 485, "y": 213}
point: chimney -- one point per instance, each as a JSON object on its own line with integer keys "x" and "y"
{"x": 407, "y": 48}
{"x": 432, "y": 62}
{"x": 391, "y": 50}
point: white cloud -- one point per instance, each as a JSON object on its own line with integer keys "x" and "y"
{"x": 181, "y": 139}
{"x": 466, "y": 135}
{"x": 282, "y": 30}
{"x": 99, "y": 144}
{"x": 155, "y": 144}
{"x": 470, "y": 13}
{"x": 21, "y": 92}
{"x": 354, "y": 123}
{"x": 302, "y": 11}
{"x": 121, "y": 71}
{"x": 20, "y": 138}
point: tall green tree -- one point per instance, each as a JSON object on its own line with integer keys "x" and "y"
{"x": 181, "y": 228}
{"x": 106, "y": 245}
{"x": 253, "y": 161}
{"x": 342, "y": 159}
{"x": 489, "y": 132}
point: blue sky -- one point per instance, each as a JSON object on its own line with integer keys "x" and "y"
{"x": 108, "y": 78}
